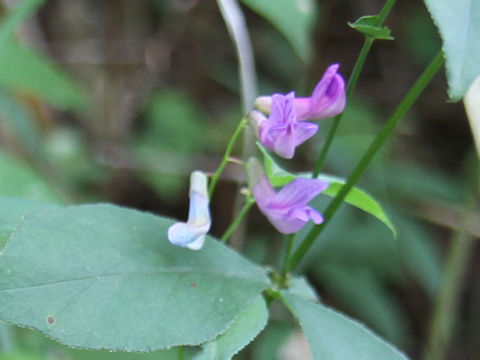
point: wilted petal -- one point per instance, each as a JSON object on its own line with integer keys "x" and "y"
{"x": 192, "y": 233}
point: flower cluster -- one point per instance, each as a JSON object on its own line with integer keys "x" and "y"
{"x": 285, "y": 128}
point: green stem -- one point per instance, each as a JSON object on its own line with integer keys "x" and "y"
{"x": 238, "y": 219}
{"x": 226, "y": 156}
{"x": 387, "y": 129}
{"x": 446, "y": 303}
{"x": 180, "y": 353}
{"x": 357, "y": 69}
{"x": 286, "y": 258}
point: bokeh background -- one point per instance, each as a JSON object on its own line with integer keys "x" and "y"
{"x": 119, "y": 100}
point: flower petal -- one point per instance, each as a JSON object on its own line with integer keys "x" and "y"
{"x": 263, "y": 192}
{"x": 298, "y": 192}
{"x": 187, "y": 235}
{"x": 304, "y": 131}
{"x": 192, "y": 233}
{"x": 328, "y": 98}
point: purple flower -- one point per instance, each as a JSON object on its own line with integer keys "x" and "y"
{"x": 192, "y": 233}
{"x": 287, "y": 210}
{"x": 281, "y": 132}
{"x": 327, "y": 99}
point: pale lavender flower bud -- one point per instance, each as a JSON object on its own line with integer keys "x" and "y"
{"x": 192, "y": 233}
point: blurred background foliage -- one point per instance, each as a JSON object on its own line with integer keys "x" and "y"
{"x": 118, "y": 101}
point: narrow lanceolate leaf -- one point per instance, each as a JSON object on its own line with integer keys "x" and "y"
{"x": 101, "y": 276}
{"x": 18, "y": 179}
{"x": 247, "y": 326}
{"x": 22, "y": 70}
{"x": 17, "y": 15}
{"x": 295, "y": 19}
{"x": 356, "y": 197}
{"x": 367, "y": 26}
{"x": 333, "y": 336}
{"x": 459, "y": 26}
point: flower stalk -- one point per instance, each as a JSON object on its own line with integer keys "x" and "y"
{"x": 226, "y": 157}
{"x": 387, "y": 129}
{"x": 357, "y": 69}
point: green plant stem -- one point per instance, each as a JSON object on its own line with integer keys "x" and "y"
{"x": 238, "y": 219}
{"x": 288, "y": 250}
{"x": 226, "y": 156}
{"x": 446, "y": 304}
{"x": 357, "y": 69}
{"x": 180, "y": 353}
{"x": 387, "y": 129}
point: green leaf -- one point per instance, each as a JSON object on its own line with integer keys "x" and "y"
{"x": 367, "y": 26}
{"x": 24, "y": 71}
{"x": 245, "y": 328}
{"x": 459, "y": 26}
{"x": 18, "y": 15}
{"x": 333, "y": 336}
{"x": 19, "y": 122}
{"x": 12, "y": 210}
{"x": 105, "y": 277}
{"x": 299, "y": 286}
{"x": 18, "y": 179}
{"x": 295, "y": 19}
{"x": 356, "y": 197}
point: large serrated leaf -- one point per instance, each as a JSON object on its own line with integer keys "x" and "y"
{"x": 333, "y": 336}
{"x": 293, "y": 18}
{"x": 101, "y": 276}
{"x": 245, "y": 328}
{"x": 459, "y": 26}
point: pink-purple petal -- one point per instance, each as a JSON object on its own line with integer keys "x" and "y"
{"x": 299, "y": 192}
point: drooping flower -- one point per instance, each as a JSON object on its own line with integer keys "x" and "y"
{"x": 281, "y": 132}
{"x": 286, "y": 210}
{"x": 192, "y": 233}
{"x": 327, "y": 99}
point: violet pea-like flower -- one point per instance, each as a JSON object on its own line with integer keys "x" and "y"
{"x": 281, "y": 132}
{"x": 191, "y": 234}
{"x": 328, "y": 98}
{"x": 287, "y": 210}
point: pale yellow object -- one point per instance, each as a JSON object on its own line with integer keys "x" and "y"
{"x": 472, "y": 107}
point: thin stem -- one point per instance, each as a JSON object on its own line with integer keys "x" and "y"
{"x": 387, "y": 129}
{"x": 180, "y": 353}
{"x": 446, "y": 302}
{"x": 286, "y": 258}
{"x": 226, "y": 156}
{"x": 357, "y": 69}
{"x": 238, "y": 219}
